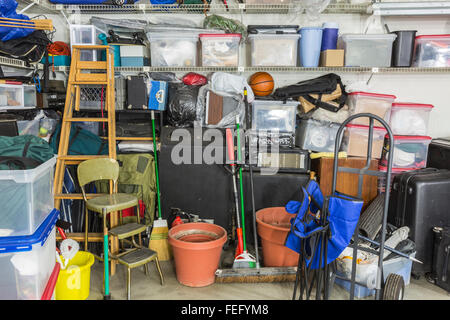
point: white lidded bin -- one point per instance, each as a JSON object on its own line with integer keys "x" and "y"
{"x": 270, "y": 115}
{"x": 410, "y": 119}
{"x": 432, "y": 51}
{"x": 356, "y": 138}
{"x": 220, "y": 49}
{"x": 409, "y": 152}
{"x": 11, "y": 96}
{"x": 368, "y": 102}
{"x": 26, "y": 262}
{"x": 274, "y": 49}
{"x": 367, "y": 50}
{"x": 26, "y": 197}
{"x": 315, "y": 135}
{"x": 173, "y": 49}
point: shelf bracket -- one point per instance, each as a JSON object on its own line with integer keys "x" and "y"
{"x": 29, "y": 6}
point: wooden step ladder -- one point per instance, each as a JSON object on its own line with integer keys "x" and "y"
{"x": 86, "y": 73}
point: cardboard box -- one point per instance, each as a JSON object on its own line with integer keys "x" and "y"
{"x": 332, "y": 58}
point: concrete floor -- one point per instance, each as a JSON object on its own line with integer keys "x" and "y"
{"x": 149, "y": 288}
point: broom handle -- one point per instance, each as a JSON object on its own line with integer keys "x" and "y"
{"x": 155, "y": 151}
{"x": 240, "y": 184}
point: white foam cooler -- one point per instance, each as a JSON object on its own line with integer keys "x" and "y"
{"x": 26, "y": 262}
{"x": 26, "y": 197}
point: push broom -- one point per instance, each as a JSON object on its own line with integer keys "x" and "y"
{"x": 159, "y": 237}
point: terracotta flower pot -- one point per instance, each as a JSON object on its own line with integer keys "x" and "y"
{"x": 273, "y": 227}
{"x": 196, "y": 250}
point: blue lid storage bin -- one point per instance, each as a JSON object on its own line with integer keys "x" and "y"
{"x": 26, "y": 262}
{"x": 26, "y": 197}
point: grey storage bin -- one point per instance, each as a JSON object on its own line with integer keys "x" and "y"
{"x": 315, "y": 135}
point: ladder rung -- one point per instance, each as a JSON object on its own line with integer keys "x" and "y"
{"x": 79, "y": 236}
{"x": 93, "y": 65}
{"x": 77, "y": 196}
{"x": 91, "y": 77}
{"x": 86, "y": 119}
{"x": 88, "y": 82}
{"x": 81, "y": 157}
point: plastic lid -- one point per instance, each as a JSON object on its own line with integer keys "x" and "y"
{"x": 412, "y": 138}
{"x": 330, "y": 25}
{"x": 359, "y": 36}
{"x": 360, "y": 126}
{"x": 201, "y": 35}
{"x": 411, "y": 105}
{"x": 396, "y": 170}
{"x": 433, "y": 36}
{"x": 371, "y": 94}
{"x": 25, "y": 243}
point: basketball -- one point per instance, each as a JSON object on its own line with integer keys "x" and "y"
{"x": 261, "y": 84}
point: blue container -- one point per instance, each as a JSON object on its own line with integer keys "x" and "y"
{"x": 310, "y": 43}
{"x": 329, "y": 36}
{"x": 116, "y": 51}
{"x": 134, "y": 61}
{"x": 158, "y": 95}
{"x": 58, "y": 60}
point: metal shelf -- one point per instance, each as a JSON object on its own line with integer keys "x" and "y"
{"x": 16, "y": 63}
{"x": 272, "y": 69}
{"x": 427, "y": 8}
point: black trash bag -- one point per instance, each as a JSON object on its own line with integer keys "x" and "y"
{"x": 181, "y": 108}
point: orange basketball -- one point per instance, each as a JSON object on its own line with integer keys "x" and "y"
{"x": 261, "y": 83}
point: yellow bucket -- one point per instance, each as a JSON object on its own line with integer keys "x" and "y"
{"x": 74, "y": 281}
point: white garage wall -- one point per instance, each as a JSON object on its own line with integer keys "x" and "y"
{"x": 430, "y": 88}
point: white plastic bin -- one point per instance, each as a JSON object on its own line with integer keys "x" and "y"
{"x": 409, "y": 152}
{"x": 27, "y": 262}
{"x": 367, "y": 50}
{"x": 11, "y": 96}
{"x": 410, "y": 119}
{"x": 356, "y": 138}
{"x": 432, "y": 51}
{"x": 274, "y": 49}
{"x": 368, "y": 102}
{"x": 315, "y": 135}
{"x": 84, "y": 35}
{"x": 220, "y": 49}
{"x": 26, "y": 197}
{"x": 171, "y": 49}
{"x": 274, "y": 115}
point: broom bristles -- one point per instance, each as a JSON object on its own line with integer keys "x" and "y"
{"x": 261, "y": 275}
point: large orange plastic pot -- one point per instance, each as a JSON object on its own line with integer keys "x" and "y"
{"x": 196, "y": 250}
{"x": 273, "y": 227}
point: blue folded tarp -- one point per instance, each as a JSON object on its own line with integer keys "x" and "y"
{"x": 8, "y": 10}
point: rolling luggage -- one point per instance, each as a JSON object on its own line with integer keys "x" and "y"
{"x": 441, "y": 257}
{"x": 439, "y": 153}
{"x": 420, "y": 200}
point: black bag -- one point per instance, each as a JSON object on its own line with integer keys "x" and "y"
{"x": 419, "y": 199}
{"x": 326, "y": 84}
{"x": 30, "y": 49}
{"x": 439, "y": 153}
{"x": 182, "y": 105}
{"x": 441, "y": 257}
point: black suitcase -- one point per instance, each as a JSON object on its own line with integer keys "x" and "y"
{"x": 439, "y": 153}
{"x": 441, "y": 257}
{"x": 420, "y": 200}
{"x": 137, "y": 93}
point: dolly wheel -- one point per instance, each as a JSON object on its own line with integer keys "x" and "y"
{"x": 394, "y": 287}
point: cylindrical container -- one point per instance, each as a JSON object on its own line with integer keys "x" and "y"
{"x": 403, "y": 48}
{"x": 329, "y": 36}
{"x": 273, "y": 228}
{"x": 197, "y": 247}
{"x": 310, "y": 44}
{"x": 74, "y": 281}
{"x": 116, "y": 50}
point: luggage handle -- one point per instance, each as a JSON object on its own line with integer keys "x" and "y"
{"x": 445, "y": 267}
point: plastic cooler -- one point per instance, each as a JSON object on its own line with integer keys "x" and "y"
{"x": 274, "y": 49}
{"x": 398, "y": 265}
{"x": 274, "y": 115}
{"x": 356, "y": 138}
{"x": 410, "y": 119}
{"x": 170, "y": 49}
{"x": 367, "y": 102}
{"x": 220, "y": 49}
{"x": 409, "y": 152}
{"x": 315, "y": 135}
{"x": 367, "y": 50}
{"x": 26, "y": 197}
{"x": 432, "y": 51}
{"x": 26, "y": 262}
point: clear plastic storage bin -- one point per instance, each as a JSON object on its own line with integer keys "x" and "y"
{"x": 267, "y": 1}
{"x": 432, "y": 51}
{"x": 28, "y": 127}
{"x": 26, "y": 197}
{"x": 29, "y": 96}
{"x": 410, "y": 119}
{"x": 274, "y": 49}
{"x": 409, "y": 152}
{"x": 27, "y": 262}
{"x": 220, "y": 49}
{"x": 274, "y": 115}
{"x": 170, "y": 49}
{"x": 315, "y": 135}
{"x": 11, "y": 96}
{"x": 84, "y": 35}
{"x": 367, "y": 102}
{"x": 356, "y": 138}
{"x": 367, "y": 50}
